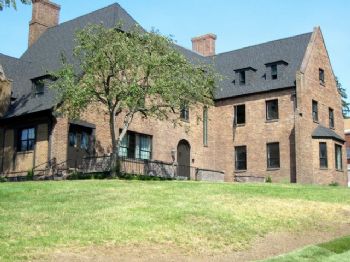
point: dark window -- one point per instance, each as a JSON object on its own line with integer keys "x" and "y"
{"x": 323, "y": 155}
{"x": 136, "y": 146}
{"x": 39, "y": 86}
{"x": 321, "y": 76}
{"x": 241, "y": 158}
{"x": 274, "y": 72}
{"x": 72, "y": 139}
{"x": 84, "y": 143}
{"x": 348, "y": 153}
{"x": 315, "y": 111}
{"x": 205, "y": 126}
{"x": 241, "y": 77}
{"x": 338, "y": 157}
{"x": 26, "y": 139}
{"x": 273, "y": 155}
{"x": 239, "y": 118}
{"x": 185, "y": 113}
{"x": 331, "y": 118}
{"x": 272, "y": 109}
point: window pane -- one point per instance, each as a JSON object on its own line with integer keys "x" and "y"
{"x": 273, "y": 155}
{"x": 24, "y": 145}
{"x": 84, "y": 143}
{"x": 315, "y": 111}
{"x": 272, "y": 109}
{"x": 323, "y": 155}
{"x": 72, "y": 139}
{"x": 30, "y": 145}
{"x": 242, "y": 77}
{"x": 145, "y": 147}
{"x": 241, "y": 157}
{"x": 331, "y": 118}
{"x": 338, "y": 157}
{"x": 274, "y": 71}
{"x": 240, "y": 114}
{"x": 205, "y": 126}
{"x": 31, "y": 133}
{"x": 24, "y": 135}
{"x": 123, "y": 149}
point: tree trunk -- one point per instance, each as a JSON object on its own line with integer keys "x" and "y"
{"x": 114, "y": 155}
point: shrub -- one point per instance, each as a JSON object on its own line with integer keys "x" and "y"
{"x": 30, "y": 175}
{"x": 334, "y": 184}
{"x": 3, "y": 179}
{"x": 268, "y": 179}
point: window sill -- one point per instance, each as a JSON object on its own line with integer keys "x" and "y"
{"x": 316, "y": 121}
{"x": 240, "y": 171}
{"x": 273, "y": 169}
{"x": 239, "y": 125}
{"x": 324, "y": 168}
{"x": 24, "y": 152}
{"x": 184, "y": 120}
{"x": 323, "y": 84}
{"x": 339, "y": 170}
{"x": 271, "y": 120}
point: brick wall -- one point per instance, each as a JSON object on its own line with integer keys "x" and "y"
{"x": 327, "y": 96}
{"x": 255, "y": 134}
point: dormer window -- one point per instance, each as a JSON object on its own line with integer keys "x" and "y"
{"x": 276, "y": 69}
{"x": 40, "y": 83}
{"x": 242, "y": 77}
{"x": 274, "y": 72}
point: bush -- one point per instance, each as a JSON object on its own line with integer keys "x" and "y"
{"x": 268, "y": 179}
{"x": 334, "y": 184}
{"x": 30, "y": 175}
{"x": 127, "y": 176}
{"x": 3, "y": 179}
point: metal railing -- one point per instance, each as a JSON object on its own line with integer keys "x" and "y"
{"x": 139, "y": 167}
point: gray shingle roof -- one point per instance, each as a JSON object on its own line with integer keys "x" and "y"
{"x": 290, "y": 50}
{"x": 45, "y": 56}
{"x": 324, "y": 132}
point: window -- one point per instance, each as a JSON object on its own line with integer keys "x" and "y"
{"x": 26, "y": 139}
{"x": 205, "y": 126}
{"x": 84, "y": 143}
{"x": 315, "y": 111}
{"x": 72, "y": 139}
{"x": 338, "y": 157}
{"x": 136, "y": 146}
{"x": 272, "y": 109}
{"x": 273, "y": 155}
{"x": 39, "y": 86}
{"x": 239, "y": 118}
{"x": 323, "y": 155}
{"x": 241, "y": 158}
{"x": 185, "y": 113}
{"x": 331, "y": 118}
{"x": 321, "y": 76}
{"x": 274, "y": 72}
{"x": 241, "y": 77}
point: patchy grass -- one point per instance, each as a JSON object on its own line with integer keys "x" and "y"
{"x": 38, "y": 217}
{"x": 337, "y": 250}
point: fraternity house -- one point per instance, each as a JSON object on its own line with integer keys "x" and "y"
{"x": 277, "y": 111}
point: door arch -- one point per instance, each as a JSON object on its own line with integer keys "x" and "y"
{"x": 184, "y": 159}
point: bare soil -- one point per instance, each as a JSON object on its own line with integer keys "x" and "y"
{"x": 264, "y": 247}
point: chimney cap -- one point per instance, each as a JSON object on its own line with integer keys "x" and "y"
{"x": 206, "y": 36}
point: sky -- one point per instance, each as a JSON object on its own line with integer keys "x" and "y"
{"x": 236, "y": 23}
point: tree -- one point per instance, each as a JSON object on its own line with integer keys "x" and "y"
{"x": 9, "y": 3}
{"x": 131, "y": 73}
{"x": 344, "y": 96}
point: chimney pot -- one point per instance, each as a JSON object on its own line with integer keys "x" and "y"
{"x": 45, "y": 14}
{"x": 204, "y": 45}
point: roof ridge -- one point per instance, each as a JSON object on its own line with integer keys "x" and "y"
{"x": 116, "y": 5}
{"x": 264, "y": 43}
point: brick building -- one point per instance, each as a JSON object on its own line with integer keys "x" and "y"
{"x": 277, "y": 111}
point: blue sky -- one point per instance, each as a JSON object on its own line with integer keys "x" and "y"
{"x": 236, "y": 23}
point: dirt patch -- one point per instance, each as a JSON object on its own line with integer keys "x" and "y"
{"x": 271, "y": 245}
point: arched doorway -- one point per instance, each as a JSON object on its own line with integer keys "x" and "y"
{"x": 184, "y": 159}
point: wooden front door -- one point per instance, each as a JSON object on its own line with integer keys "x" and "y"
{"x": 79, "y": 144}
{"x": 184, "y": 159}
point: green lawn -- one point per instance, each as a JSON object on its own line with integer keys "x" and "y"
{"x": 334, "y": 251}
{"x": 38, "y": 217}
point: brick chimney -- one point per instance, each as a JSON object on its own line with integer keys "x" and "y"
{"x": 204, "y": 45}
{"x": 45, "y": 14}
